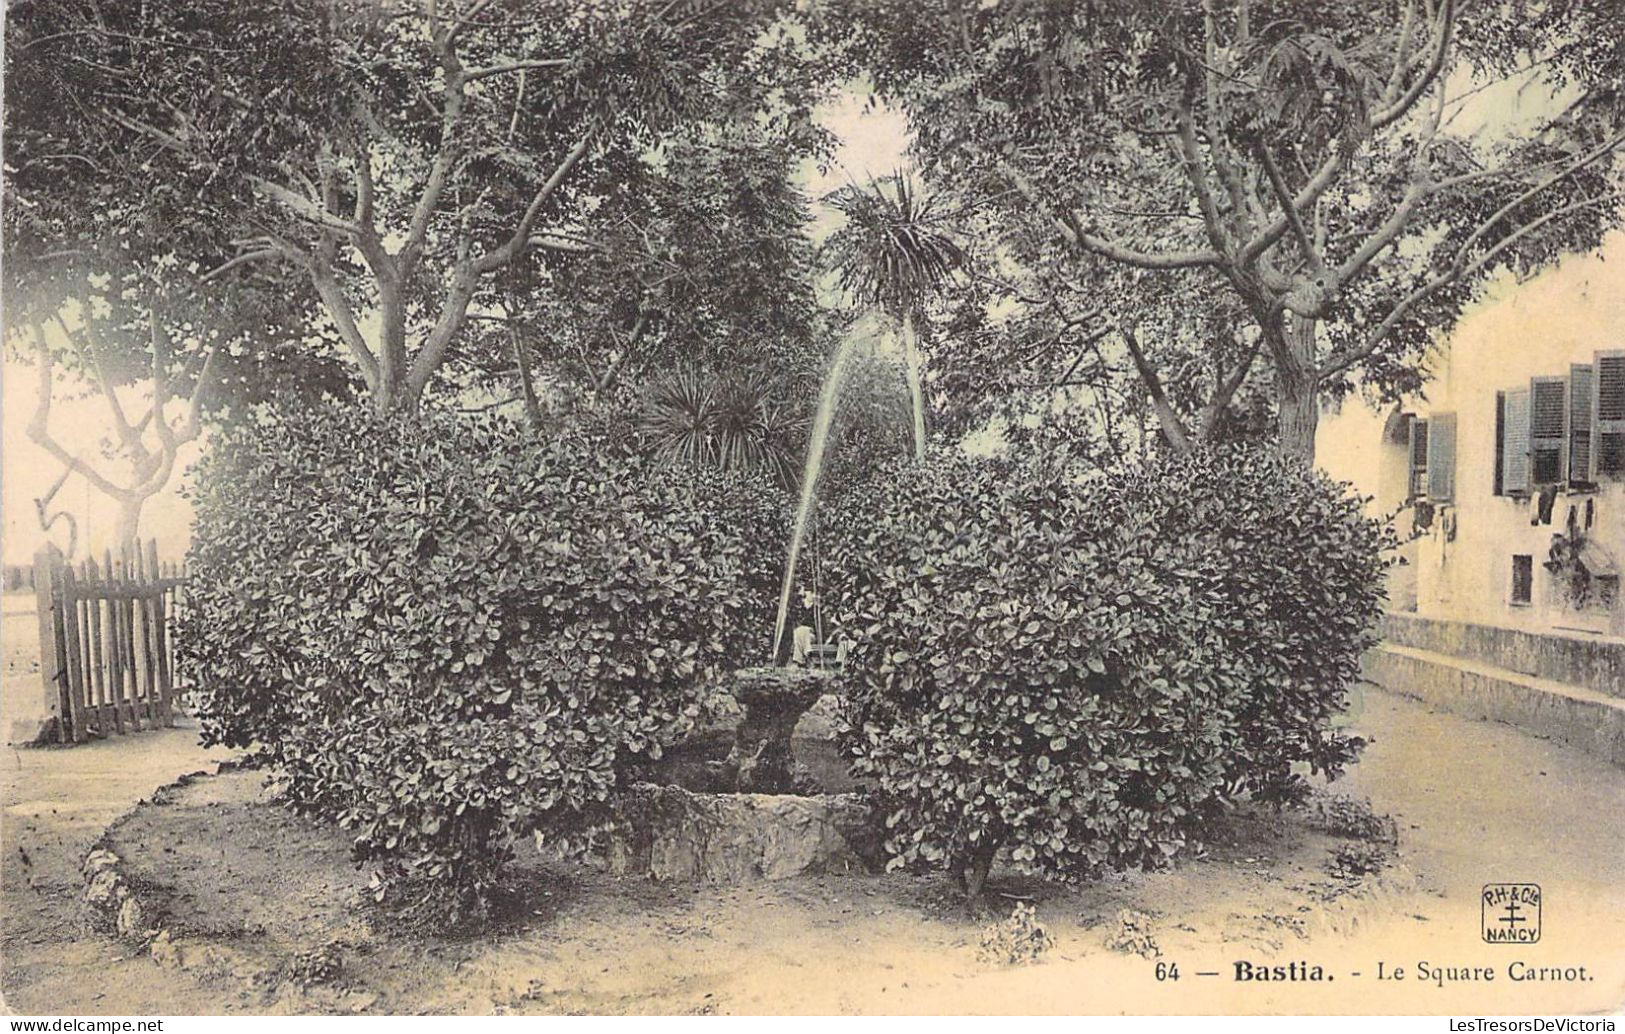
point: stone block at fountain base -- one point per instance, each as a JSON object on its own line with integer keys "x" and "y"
{"x": 669, "y": 833}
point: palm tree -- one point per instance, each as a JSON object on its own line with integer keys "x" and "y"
{"x": 739, "y": 422}
{"x": 890, "y": 255}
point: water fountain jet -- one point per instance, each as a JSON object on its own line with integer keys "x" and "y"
{"x": 817, "y": 443}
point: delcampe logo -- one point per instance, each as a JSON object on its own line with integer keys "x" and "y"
{"x": 1511, "y": 913}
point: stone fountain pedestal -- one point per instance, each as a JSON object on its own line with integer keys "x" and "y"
{"x": 753, "y": 815}
{"x": 773, "y": 699}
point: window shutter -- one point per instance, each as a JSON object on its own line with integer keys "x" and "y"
{"x": 1548, "y": 429}
{"x": 1417, "y": 486}
{"x": 1500, "y": 442}
{"x": 1515, "y": 453}
{"x": 1580, "y": 424}
{"x": 1608, "y": 414}
{"x": 1441, "y": 457}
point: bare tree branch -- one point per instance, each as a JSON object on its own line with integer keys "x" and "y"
{"x": 627, "y": 346}
{"x": 1446, "y": 30}
{"x": 1318, "y": 184}
{"x": 1172, "y": 428}
{"x": 245, "y": 258}
{"x": 1601, "y": 151}
{"x": 453, "y": 313}
{"x": 1385, "y": 234}
{"x": 159, "y": 338}
{"x": 475, "y": 74}
{"x": 1190, "y": 155}
{"x": 1402, "y": 54}
{"x": 39, "y": 426}
{"x": 1288, "y": 207}
{"x": 1226, "y": 390}
{"x": 455, "y": 23}
{"x": 304, "y": 208}
{"x": 1340, "y": 362}
{"x": 1228, "y": 176}
{"x": 128, "y": 434}
{"x": 517, "y": 243}
{"x": 191, "y": 419}
{"x": 451, "y": 117}
{"x": 1074, "y": 232}
{"x": 332, "y": 296}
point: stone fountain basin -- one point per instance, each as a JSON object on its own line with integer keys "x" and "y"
{"x": 700, "y": 763}
{"x": 671, "y": 833}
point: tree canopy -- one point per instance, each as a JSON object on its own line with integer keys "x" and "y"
{"x": 1322, "y": 164}
{"x": 391, "y": 163}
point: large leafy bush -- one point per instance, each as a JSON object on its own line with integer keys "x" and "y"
{"x": 1082, "y": 666}
{"x": 447, "y": 633}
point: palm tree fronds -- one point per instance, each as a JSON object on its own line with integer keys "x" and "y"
{"x": 738, "y": 423}
{"x": 890, "y": 253}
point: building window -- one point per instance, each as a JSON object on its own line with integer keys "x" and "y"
{"x": 1608, "y": 412}
{"x": 1548, "y": 429}
{"x": 1580, "y": 402}
{"x": 1441, "y": 458}
{"x": 1514, "y": 448}
{"x": 1418, "y": 487}
{"x": 1611, "y": 453}
{"x": 1523, "y": 578}
{"x": 1500, "y": 442}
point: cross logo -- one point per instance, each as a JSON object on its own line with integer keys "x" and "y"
{"x": 1511, "y": 913}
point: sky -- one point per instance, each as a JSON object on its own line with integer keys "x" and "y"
{"x": 873, "y": 142}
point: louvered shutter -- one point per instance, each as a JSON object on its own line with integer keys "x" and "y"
{"x": 1515, "y": 452}
{"x": 1500, "y": 443}
{"x": 1580, "y": 424}
{"x": 1417, "y": 485}
{"x": 1548, "y": 429}
{"x": 1608, "y": 413}
{"x": 1442, "y": 457}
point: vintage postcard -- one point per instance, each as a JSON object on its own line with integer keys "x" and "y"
{"x": 812, "y": 507}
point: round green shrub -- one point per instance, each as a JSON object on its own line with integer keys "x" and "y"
{"x": 1083, "y": 666}
{"x": 446, "y": 633}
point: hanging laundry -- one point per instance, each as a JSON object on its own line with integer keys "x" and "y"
{"x": 1548, "y": 497}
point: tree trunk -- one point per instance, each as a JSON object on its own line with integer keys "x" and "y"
{"x": 127, "y": 529}
{"x": 533, "y": 407}
{"x": 1298, "y": 391}
{"x": 916, "y": 389}
{"x": 970, "y": 872}
{"x": 391, "y": 345}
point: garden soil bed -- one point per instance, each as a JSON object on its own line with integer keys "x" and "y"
{"x": 264, "y": 907}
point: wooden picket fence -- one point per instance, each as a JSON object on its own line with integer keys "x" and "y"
{"x": 107, "y": 644}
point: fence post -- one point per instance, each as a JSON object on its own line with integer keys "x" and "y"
{"x": 106, "y": 691}
{"x": 67, "y": 606}
{"x": 160, "y": 635}
{"x": 52, "y": 663}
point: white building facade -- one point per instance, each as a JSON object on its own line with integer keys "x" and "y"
{"x": 1510, "y": 472}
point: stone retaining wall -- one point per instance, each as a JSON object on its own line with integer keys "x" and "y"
{"x": 1589, "y": 661}
{"x": 1565, "y": 687}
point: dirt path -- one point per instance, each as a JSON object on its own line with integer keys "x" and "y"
{"x": 56, "y": 803}
{"x": 1476, "y": 803}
